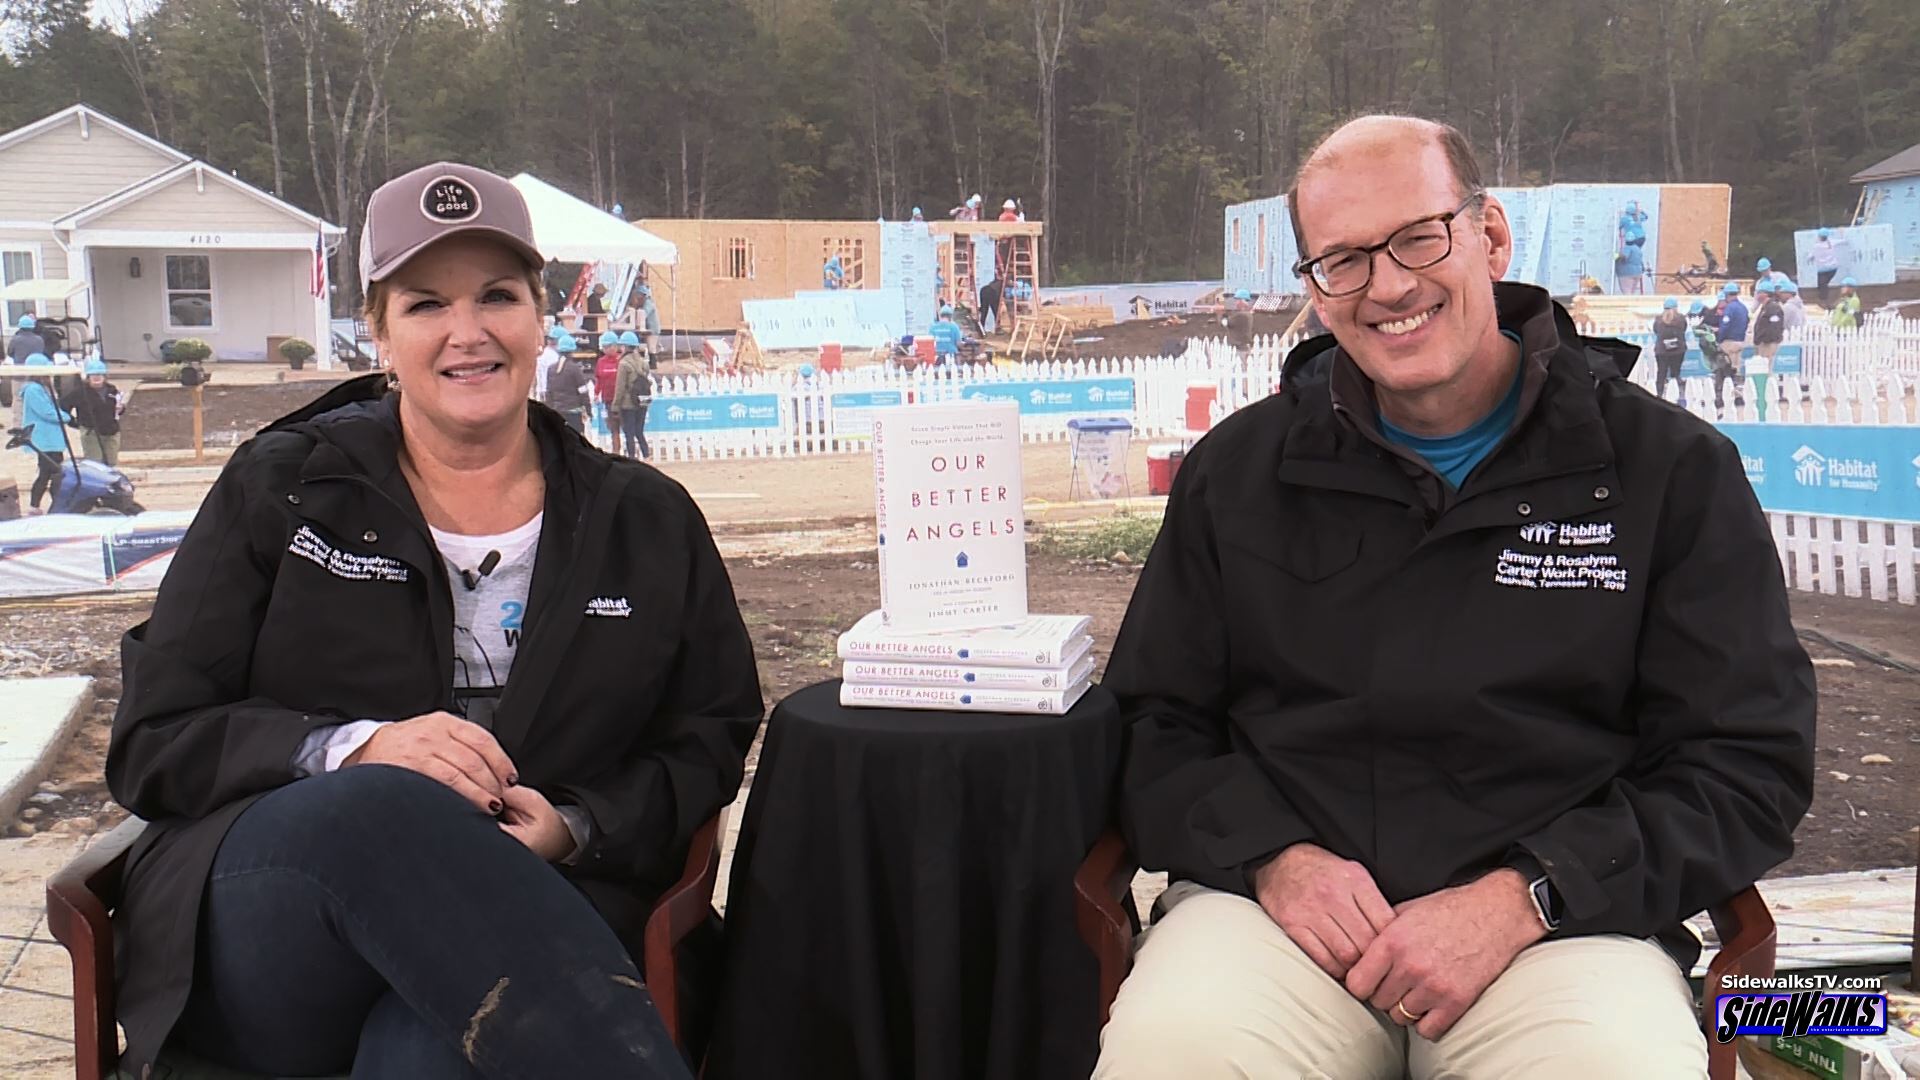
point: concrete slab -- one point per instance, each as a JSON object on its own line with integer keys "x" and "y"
{"x": 36, "y": 716}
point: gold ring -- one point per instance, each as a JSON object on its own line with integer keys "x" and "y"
{"x": 1401, "y": 1008}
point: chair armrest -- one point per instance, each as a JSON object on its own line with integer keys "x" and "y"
{"x": 80, "y": 898}
{"x": 1747, "y": 937}
{"x": 1103, "y": 912}
{"x": 685, "y": 905}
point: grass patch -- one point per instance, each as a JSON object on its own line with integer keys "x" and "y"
{"x": 1101, "y": 537}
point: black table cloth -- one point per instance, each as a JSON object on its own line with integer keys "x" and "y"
{"x": 901, "y": 905}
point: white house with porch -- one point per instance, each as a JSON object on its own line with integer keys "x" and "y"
{"x": 166, "y": 246}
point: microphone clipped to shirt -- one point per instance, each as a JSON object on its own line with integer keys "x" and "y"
{"x": 472, "y": 577}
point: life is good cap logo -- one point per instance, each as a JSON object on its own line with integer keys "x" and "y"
{"x": 449, "y": 200}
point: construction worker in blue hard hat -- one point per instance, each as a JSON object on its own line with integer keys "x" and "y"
{"x": 632, "y": 395}
{"x": 566, "y": 386}
{"x": 45, "y": 423}
{"x": 917, "y": 216}
{"x": 833, "y": 275}
{"x": 1826, "y": 261}
{"x": 96, "y": 406}
{"x": 1788, "y": 294}
{"x": 1669, "y": 348}
{"x": 946, "y": 336}
{"x": 1846, "y": 314}
{"x": 25, "y": 343}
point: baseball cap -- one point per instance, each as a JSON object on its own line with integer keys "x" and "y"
{"x": 433, "y": 202}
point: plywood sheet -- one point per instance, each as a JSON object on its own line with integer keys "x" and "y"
{"x": 1690, "y": 214}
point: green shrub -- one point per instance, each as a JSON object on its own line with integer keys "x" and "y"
{"x": 1102, "y": 538}
{"x": 188, "y": 350}
{"x": 299, "y": 349}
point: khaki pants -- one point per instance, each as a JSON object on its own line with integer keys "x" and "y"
{"x": 102, "y": 448}
{"x": 1219, "y": 990}
{"x": 1767, "y": 352}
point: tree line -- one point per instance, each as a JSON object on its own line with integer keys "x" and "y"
{"x": 1125, "y": 124}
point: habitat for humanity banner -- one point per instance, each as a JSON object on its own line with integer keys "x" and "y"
{"x": 714, "y": 412}
{"x": 1086, "y": 397}
{"x": 1832, "y": 471}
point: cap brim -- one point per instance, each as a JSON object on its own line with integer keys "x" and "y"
{"x": 385, "y": 269}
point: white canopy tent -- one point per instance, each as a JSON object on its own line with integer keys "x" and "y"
{"x": 567, "y": 229}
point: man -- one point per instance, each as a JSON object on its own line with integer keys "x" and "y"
{"x": 1462, "y": 668}
{"x": 1009, "y": 211}
{"x": 1731, "y": 340}
{"x": 1796, "y": 308}
{"x": 96, "y": 406}
{"x": 1826, "y": 260}
{"x": 946, "y": 336}
{"x": 26, "y": 341}
{"x": 967, "y": 211}
{"x": 1239, "y": 321}
{"x": 1669, "y": 349}
{"x": 1846, "y": 314}
{"x": 833, "y": 275}
{"x": 1630, "y": 260}
{"x": 1769, "y": 324}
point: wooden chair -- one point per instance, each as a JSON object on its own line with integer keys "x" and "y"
{"x": 1105, "y": 883}
{"x": 83, "y": 894}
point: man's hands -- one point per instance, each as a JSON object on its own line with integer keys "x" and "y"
{"x": 1424, "y": 962}
{"x": 1328, "y": 905}
{"x": 460, "y": 754}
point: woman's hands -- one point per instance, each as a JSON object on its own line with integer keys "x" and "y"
{"x": 466, "y": 757}
{"x": 458, "y": 753}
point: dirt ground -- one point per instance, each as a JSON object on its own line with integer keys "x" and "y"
{"x": 1864, "y": 815}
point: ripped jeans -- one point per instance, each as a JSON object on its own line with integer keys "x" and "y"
{"x": 372, "y": 921}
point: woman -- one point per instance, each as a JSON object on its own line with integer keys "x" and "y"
{"x": 606, "y": 373}
{"x": 634, "y": 391}
{"x": 428, "y": 708}
{"x": 567, "y": 382}
{"x": 96, "y": 405}
{"x": 46, "y": 435}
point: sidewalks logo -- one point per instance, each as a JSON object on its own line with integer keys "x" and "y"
{"x": 1816, "y": 470}
{"x": 1797, "y": 1006}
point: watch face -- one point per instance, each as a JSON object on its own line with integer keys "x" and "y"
{"x": 1543, "y": 902}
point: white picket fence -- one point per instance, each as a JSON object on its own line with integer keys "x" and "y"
{"x": 1865, "y": 376}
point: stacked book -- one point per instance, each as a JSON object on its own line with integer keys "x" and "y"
{"x": 1040, "y": 665}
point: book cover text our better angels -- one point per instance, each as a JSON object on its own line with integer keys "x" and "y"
{"x": 948, "y": 508}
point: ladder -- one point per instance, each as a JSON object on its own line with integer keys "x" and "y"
{"x": 1020, "y": 288}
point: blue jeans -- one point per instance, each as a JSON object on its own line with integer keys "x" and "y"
{"x": 633, "y": 426}
{"x": 372, "y": 920}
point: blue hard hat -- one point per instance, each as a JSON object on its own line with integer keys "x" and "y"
{"x": 608, "y": 339}
{"x": 946, "y": 310}
{"x": 1671, "y": 304}
{"x": 1786, "y": 286}
{"x": 26, "y": 322}
{"x": 1696, "y": 307}
{"x": 1764, "y": 264}
{"x": 556, "y": 332}
{"x": 629, "y": 338}
{"x": 95, "y": 366}
{"x": 806, "y": 371}
{"x": 916, "y": 211}
{"x": 1823, "y": 232}
{"x": 1242, "y": 294}
{"x": 1730, "y": 290}
{"x": 1763, "y": 285}
{"x": 566, "y": 343}
{"x": 1848, "y": 282}
{"x": 38, "y": 360}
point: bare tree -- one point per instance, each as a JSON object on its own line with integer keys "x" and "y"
{"x": 265, "y": 19}
{"x": 1051, "y": 19}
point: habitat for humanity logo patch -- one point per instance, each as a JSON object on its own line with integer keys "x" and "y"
{"x": 1813, "y": 469}
{"x": 1578, "y": 534}
{"x": 609, "y": 607}
{"x": 1799, "y": 1005}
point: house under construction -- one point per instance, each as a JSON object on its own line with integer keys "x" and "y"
{"x": 726, "y": 261}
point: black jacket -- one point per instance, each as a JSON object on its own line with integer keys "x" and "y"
{"x": 1770, "y": 324}
{"x": 97, "y": 411}
{"x": 642, "y": 720}
{"x": 1328, "y": 644}
{"x": 567, "y": 386}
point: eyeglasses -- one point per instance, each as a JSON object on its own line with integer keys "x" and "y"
{"x": 1415, "y": 246}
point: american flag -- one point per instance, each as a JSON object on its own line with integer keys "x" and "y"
{"x": 317, "y": 280}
